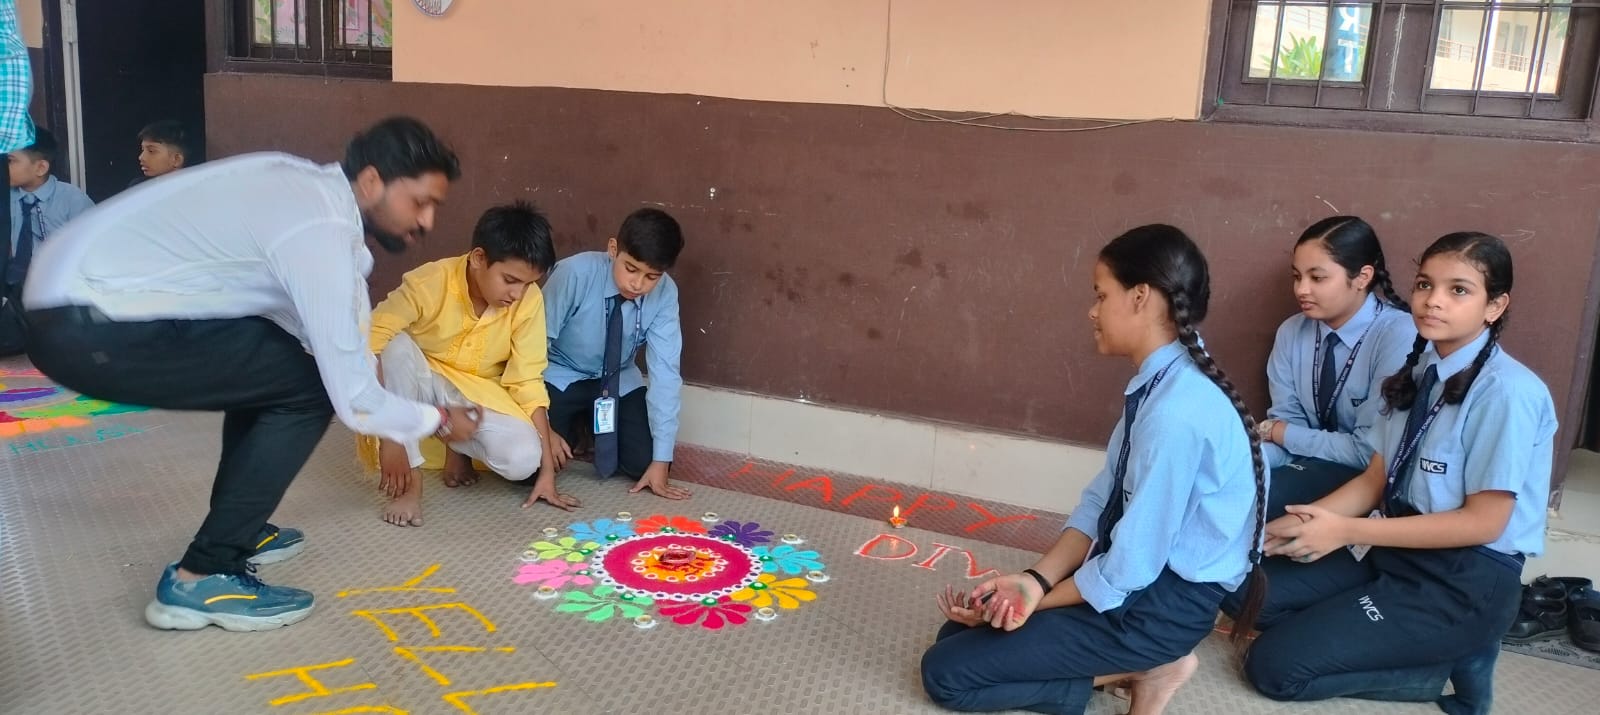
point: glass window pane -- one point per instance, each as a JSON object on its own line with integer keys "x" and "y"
{"x": 1301, "y": 31}
{"x": 1500, "y": 50}
{"x": 365, "y": 20}
{"x": 280, "y": 22}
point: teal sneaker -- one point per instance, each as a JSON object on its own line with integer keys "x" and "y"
{"x": 236, "y": 602}
{"x": 275, "y": 544}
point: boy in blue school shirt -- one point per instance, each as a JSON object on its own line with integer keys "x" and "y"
{"x": 600, "y": 309}
{"x": 40, "y": 204}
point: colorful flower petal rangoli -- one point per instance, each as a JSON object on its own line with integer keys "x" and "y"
{"x": 673, "y": 565}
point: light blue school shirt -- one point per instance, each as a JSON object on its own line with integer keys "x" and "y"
{"x": 59, "y": 202}
{"x": 1501, "y": 437}
{"x": 1390, "y": 333}
{"x": 1189, "y": 492}
{"x": 575, "y": 303}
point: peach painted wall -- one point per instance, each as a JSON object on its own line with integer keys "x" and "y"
{"x": 1127, "y": 59}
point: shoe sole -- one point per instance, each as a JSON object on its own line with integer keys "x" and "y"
{"x": 178, "y": 618}
{"x": 1539, "y": 638}
{"x": 277, "y": 555}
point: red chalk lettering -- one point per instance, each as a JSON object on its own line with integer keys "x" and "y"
{"x": 750, "y": 468}
{"x": 991, "y": 519}
{"x": 895, "y": 546}
{"x": 893, "y": 495}
{"x": 938, "y": 553}
{"x": 972, "y": 567}
{"x": 922, "y": 502}
{"x": 821, "y": 484}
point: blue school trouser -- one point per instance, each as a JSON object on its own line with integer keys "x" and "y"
{"x": 1049, "y": 664}
{"x": 1305, "y": 480}
{"x": 1392, "y": 627}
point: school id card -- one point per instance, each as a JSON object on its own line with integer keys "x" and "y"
{"x": 605, "y": 415}
{"x": 1360, "y": 550}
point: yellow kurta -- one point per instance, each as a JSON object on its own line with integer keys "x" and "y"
{"x": 497, "y": 360}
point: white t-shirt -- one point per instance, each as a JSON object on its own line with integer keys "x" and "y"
{"x": 266, "y": 234}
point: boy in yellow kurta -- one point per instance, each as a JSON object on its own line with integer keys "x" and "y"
{"x": 470, "y": 331}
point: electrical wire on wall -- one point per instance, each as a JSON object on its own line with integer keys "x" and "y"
{"x": 978, "y": 120}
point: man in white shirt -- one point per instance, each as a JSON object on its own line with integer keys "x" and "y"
{"x": 240, "y": 286}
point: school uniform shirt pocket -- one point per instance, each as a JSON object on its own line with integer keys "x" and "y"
{"x": 1439, "y": 482}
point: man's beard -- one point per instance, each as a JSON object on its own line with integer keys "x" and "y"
{"x": 391, "y": 242}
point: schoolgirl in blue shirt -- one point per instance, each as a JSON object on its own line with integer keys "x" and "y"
{"x": 1170, "y": 525}
{"x": 1457, "y": 491}
{"x": 1328, "y": 361}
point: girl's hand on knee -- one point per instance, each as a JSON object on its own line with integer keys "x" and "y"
{"x": 958, "y": 607}
{"x": 1309, "y": 533}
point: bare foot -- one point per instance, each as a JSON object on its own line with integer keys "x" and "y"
{"x": 458, "y": 471}
{"x": 406, "y": 509}
{"x": 1154, "y": 688}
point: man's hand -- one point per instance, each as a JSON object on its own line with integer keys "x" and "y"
{"x": 462, "y": 423}
{"x": 395, "y": 466}
{"x": 559, "y": 450}
{"x": 655, "y": 479}
{"x": 544, "y": 487}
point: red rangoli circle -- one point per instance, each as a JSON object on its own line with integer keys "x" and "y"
{"x": 677, "y": 566}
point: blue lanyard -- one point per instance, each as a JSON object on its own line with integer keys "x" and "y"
{"x": 1403, "y": 456}
{"x": 1127, "y": 429}
{"x": 1327, "y": 420}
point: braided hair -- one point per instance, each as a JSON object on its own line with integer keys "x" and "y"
{"x": 1353, "y": 244}
{"x": 1491, "y": 257}
{"x": 1165, "y": 259}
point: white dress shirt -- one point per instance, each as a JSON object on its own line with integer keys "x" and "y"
{"x": 266, "y": 234}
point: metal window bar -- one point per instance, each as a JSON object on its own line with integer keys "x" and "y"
{"x": 1537, "y": 57}
{"x": 1480, "y": 66}
{"x": 1374, "y": 50}
{"x": 371, "y": 30}
{"x": 1277, "y": 41}
{"x": 1322, "y": 68}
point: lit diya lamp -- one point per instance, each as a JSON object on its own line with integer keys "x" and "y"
{"x": 545, "y": 593}
{"x": 895, "y": 520}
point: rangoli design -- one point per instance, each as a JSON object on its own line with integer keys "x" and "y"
{"x": 44, "y": 406}
{"x": 697, "y": 572}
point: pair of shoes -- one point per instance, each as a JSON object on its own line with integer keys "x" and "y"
{"x": 236, "y": 601}
{"x": 1551, "y": 605}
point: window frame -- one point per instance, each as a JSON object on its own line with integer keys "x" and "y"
{"x": 229, "y": 28}
{"x": 1229, "y": 96}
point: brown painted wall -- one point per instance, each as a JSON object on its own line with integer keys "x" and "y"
{"x": 851, "y": 257}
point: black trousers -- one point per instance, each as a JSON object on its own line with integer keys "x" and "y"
{"x": 572, "y": 414}
{"x": 1391, "y": 627}
{"x": 265, "y": 383}
{"x": 1303, "y": 481}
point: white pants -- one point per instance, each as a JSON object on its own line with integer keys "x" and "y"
{"x": 506, "y": 443}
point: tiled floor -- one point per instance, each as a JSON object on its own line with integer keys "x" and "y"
{"x": 92, "y": 506}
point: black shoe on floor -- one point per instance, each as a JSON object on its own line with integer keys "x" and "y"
{"x": 1543, "y": 614}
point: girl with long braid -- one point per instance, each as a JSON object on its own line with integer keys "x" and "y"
{"x": 1329, "y": 362}
{"x": 1456, "y": 488}
{"x": 1171, "y": 525}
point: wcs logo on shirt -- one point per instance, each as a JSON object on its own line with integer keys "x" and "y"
{"x": 1431, "y": 467}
